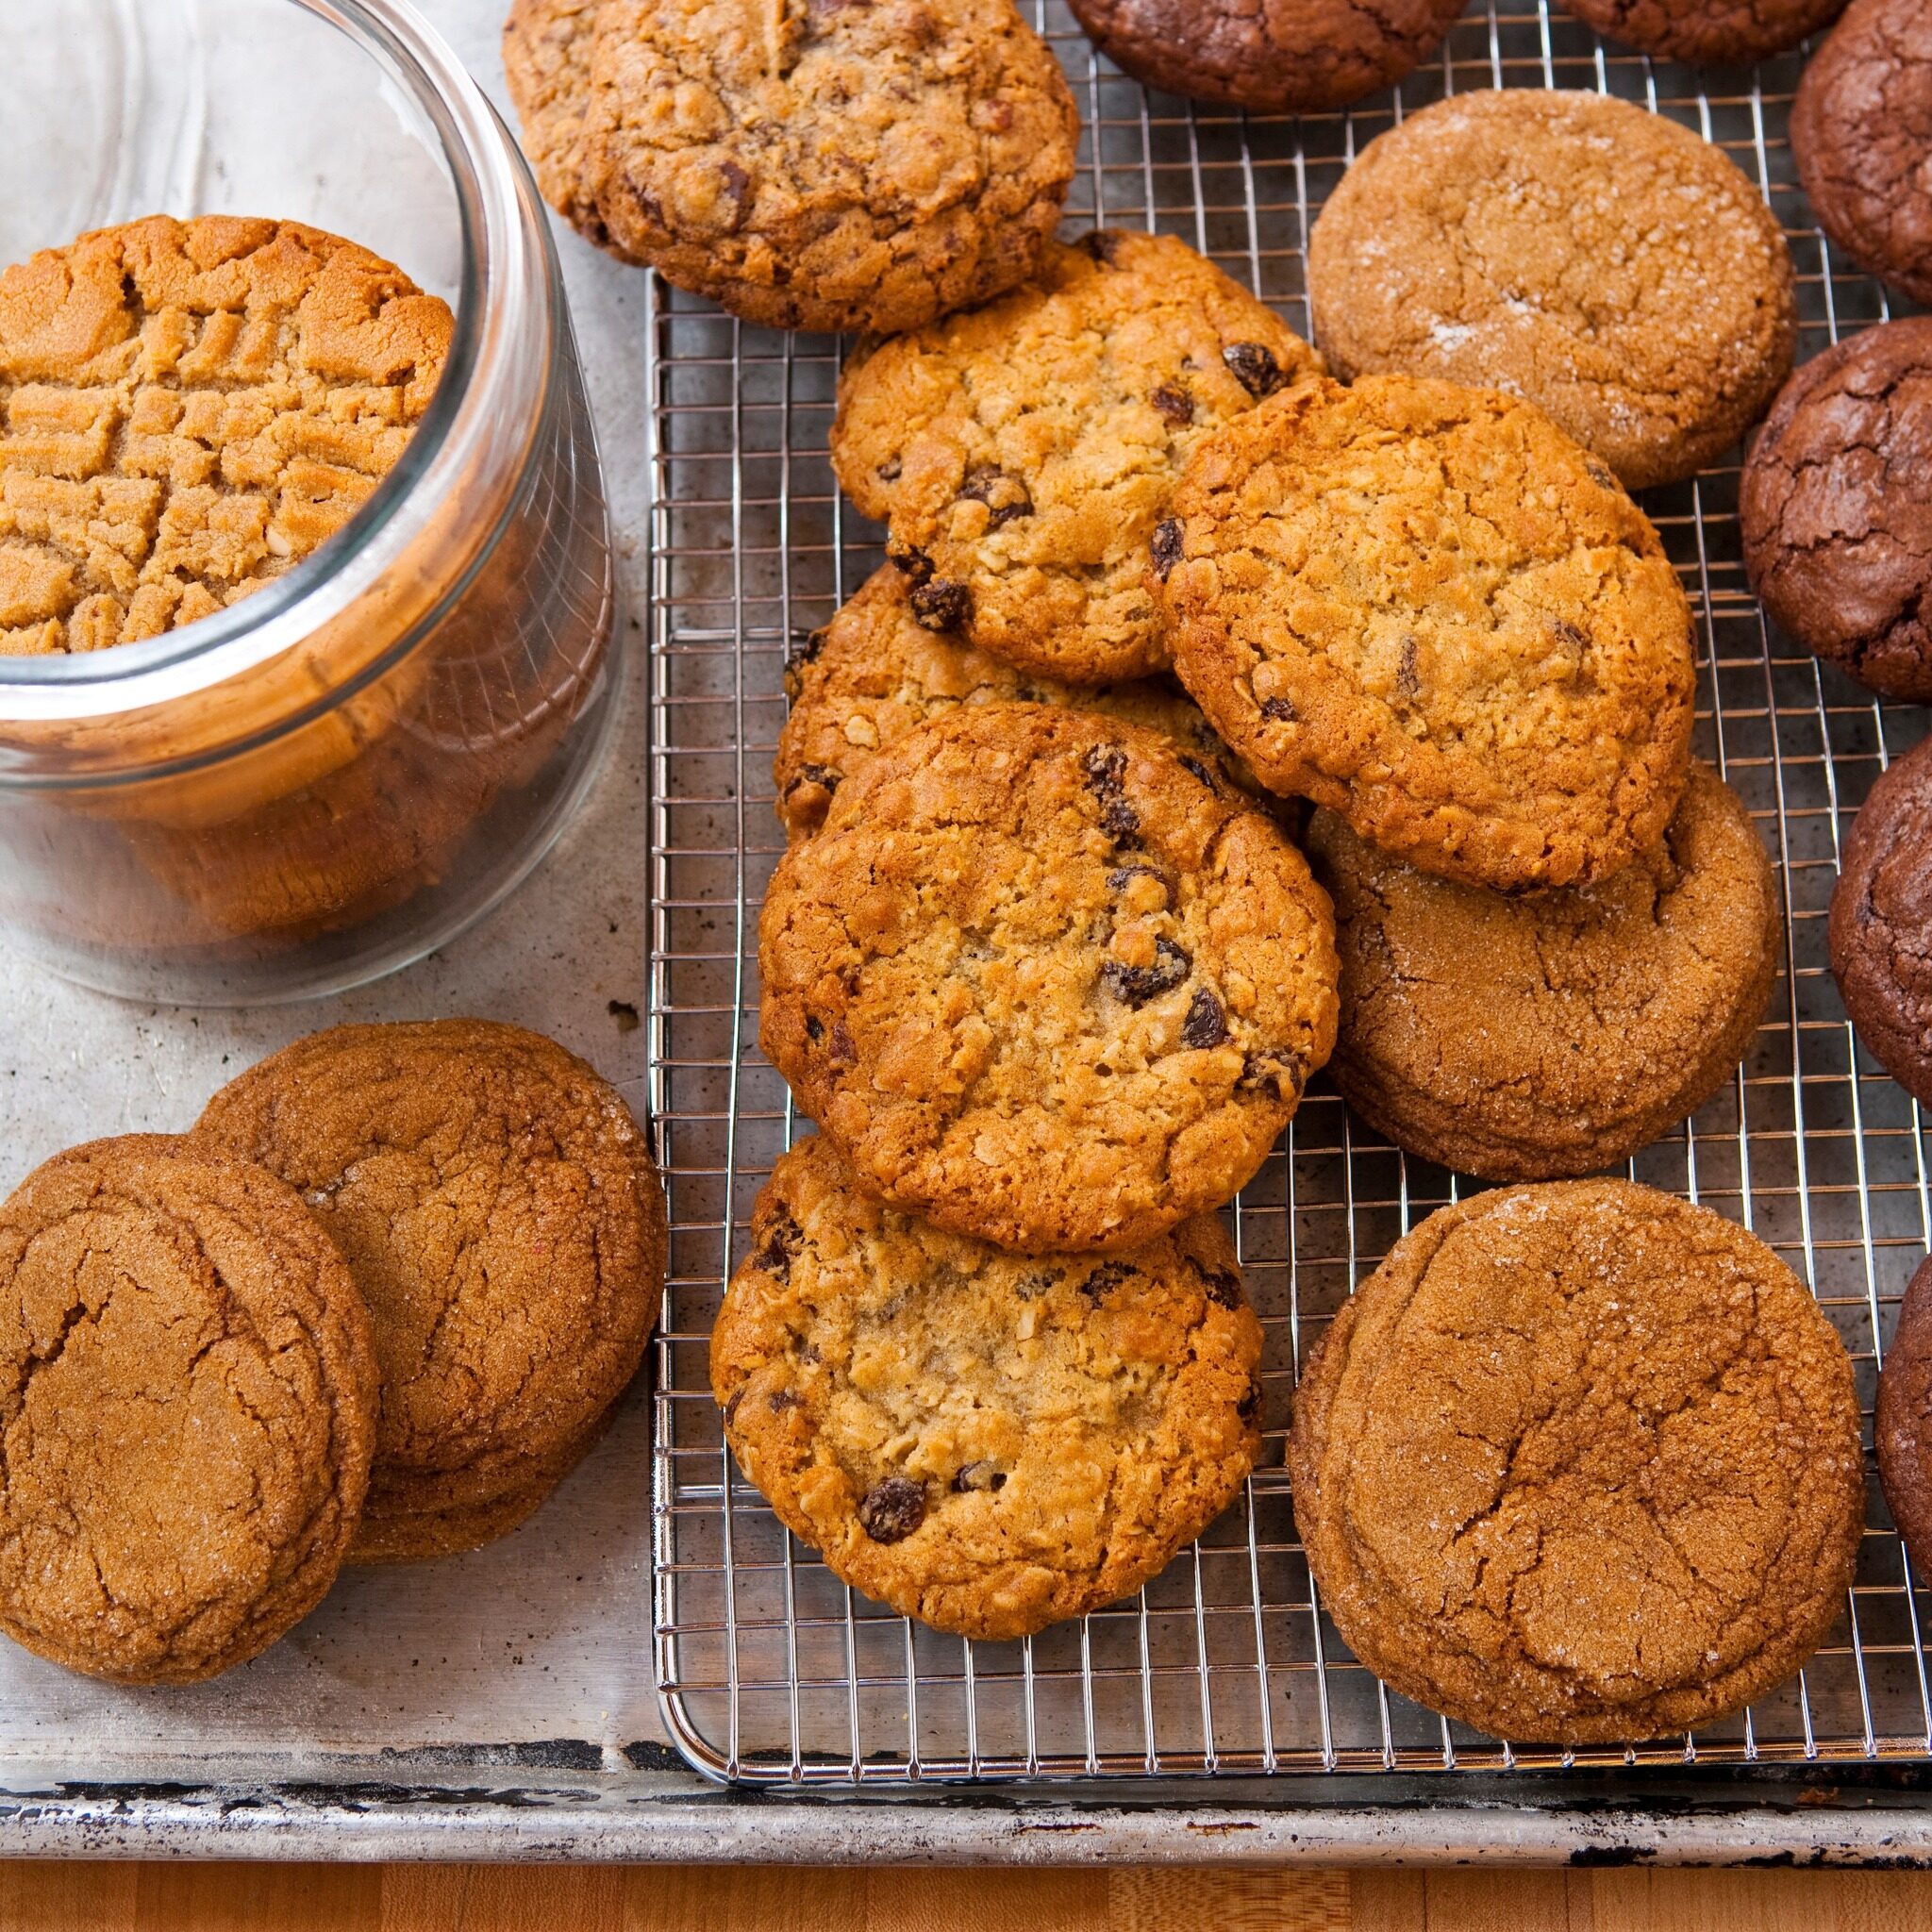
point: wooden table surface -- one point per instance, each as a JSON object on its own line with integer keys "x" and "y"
{"x": 401, "y": 1898}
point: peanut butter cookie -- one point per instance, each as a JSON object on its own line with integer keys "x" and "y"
{"x": 503, "y": 1217}
{"x": 188, "y": 1399}
{"x": 1524, "y": 1039}
{"x": 1424, "y": 608}
{"x": 1580, "y": 1464}
{"x": 875, "y": 673}
{"x": 1023, "y": 455}
{"x": 1600, "y": 262}
{"x": 1042, "y": 984}
{"x": 187, "y": 409}
{"x": 983, "y": 1441}
{"x": 1719, "y": 33}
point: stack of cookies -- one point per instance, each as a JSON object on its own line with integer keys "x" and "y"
{"x": 375, "y": 1305}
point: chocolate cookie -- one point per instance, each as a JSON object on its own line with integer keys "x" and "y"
{"x": 1022, "y": 456}
{"x": 1424, "y": 608}
{"x": 986, "y": 1443}
{"x": 1881, "y": 922}
{"x": 502, "y": 1215}
{"x": 1715, "y": 33}
{"x": 1836, "y": 505}
{"x": 875, "y": 673}
{"x": 1580, "y": 1464}
{"x": 809, "y": 165}
{"x": 1294, "y": 57}
{"x": 187, "y": 1400}
{"x": 188, "y": 409}
{"x": 1602, "y": 262}
{"x": 1902, "y": 1430}
{"x": 1042, "y": 984}
{"x": 1861, "y": 130}
{"x": 1524, "y": 1039}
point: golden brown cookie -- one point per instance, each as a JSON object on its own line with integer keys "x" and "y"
{"x": 1580, "y": 1464}
{"x": 1023, "y": 453}
{"x": 547, "y": 48}
{"x": 188, "y": 1398}
{"x": 1424, "y": 608}
{"x": 188, "y": 409}
{"x": 1042, "y": 984}
{"x": 1602, "y": 262}
{"x": 503, "y": 1215}
{"x": 875, "y": 673}
{"x": 986, "y": 1441}
{"x": 1553, "y": 1034}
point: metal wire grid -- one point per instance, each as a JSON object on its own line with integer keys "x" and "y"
{"x": 772, "y": 1671}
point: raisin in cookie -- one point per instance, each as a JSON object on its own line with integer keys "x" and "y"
{"x": 811, "y": 163}
{"x": 1718, "y": 33}
{"x": 1042, "y": 984}
{"x": 875, "y": 673}
{"x": 188, "y": 409}
{"x": 1524, "y": 1039}
{"x": 985, "y": 1442}
{"x": 188, "y": 1398}
{"x": 1023, "y": 454}
{"x": 1424, "y": 608}
{"x": 1580, "y": 1464}
{"x": 1603, "y": 262}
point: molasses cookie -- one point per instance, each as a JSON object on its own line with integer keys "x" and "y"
{"x": 188, "y": 409}
{"x": 807, "y": 165}
{"x": 1023, "y": 455}
{"x": 1579, "y": 1464}
{"x": 1295, "y": 57}
{"x": 1861, "y": 130}
{"x": 1424, "y": 608}
{"x": 1524, "y": 1039}
{"x": 1712, "y": 33}
{"x": 1836, "y": 505}
{"x": 986, "y": 1443}
{"x": 1041, "y": 983}
{"x": 1902, "y": 1430}
{"x": 875, "y": 673}
{"x": 188, "y": 1395}
{"x": 1881, "y": 922}
{"x": 1602, "y": 262}
{"x": 502, "y": 1215}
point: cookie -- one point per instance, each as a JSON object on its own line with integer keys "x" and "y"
{"x": 1042, "y": 984}
{"x": 1708, "y": 33}
{"x": 1881, "y": 921}
{"x": 875, "y": 673}
{"x": 503, "y": 1215}
{"x": 808, "y": 165}
{"x": 1579, "y": 1464}
{"x": 1022, "y": 456}
{"x": 1901, "y": 1429}
{"x": 547, "y": 45}
{"x": 188, "y": 409}
{"x": 1424, "y": 608}
{"x": 188, "y": 1395}
{"x": 1836, "y": 508}
{"x": 1861, "y": 128}
{"x": 985, "y": 1442}
{"x": 1602, "y": 262}
{"x": 1524, "y": 1039}
{"x": 1293, "y": 57}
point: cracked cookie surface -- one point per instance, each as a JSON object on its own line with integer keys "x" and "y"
{"x": 503, "y": 1217}
{"x": 1527, "y": 1039}
{"x": 983, "y": 1440}
{"x": 1424, "y": 608}
{"x": 1580, "y": 1463}
{"x": 187, "y": 1410}
{"x": 875, "y": 673}
{"x": 1861, "y": 128}
{"x": 1727, "y": 33}
{"x": 1602, "y": 262}
{"x": 1901, "y": 1429}
{"x": 1042, "y": 984}
{"x": 1023, "y": 455}
{"x": 1836, "y": 508}
{"x": 188, "y": 409}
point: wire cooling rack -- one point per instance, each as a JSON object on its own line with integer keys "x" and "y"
{"x": 772, "y": 1671}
